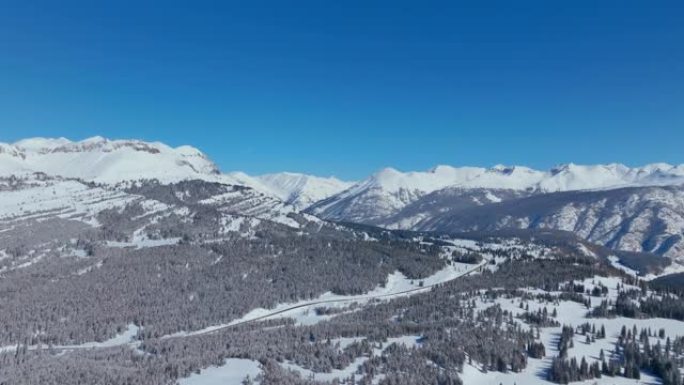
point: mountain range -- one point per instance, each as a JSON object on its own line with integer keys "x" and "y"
{"x": 631, "y": 208}
{"x": 130, "y": 262}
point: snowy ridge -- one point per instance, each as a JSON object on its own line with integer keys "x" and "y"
{"x": 299, "y": 190}
{"x": 114, "y": 161}
{"x": 103, "y": 160}
{"x": 566, "y": 177}
{"x": 111, "y": 161}
{"x": 388, "y": 191}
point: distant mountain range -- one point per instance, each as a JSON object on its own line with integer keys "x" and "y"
{"x": 637, "y": 209}
{"x": 389, "y": 191}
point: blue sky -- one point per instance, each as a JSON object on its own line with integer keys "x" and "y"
{"x": 345, "y": 88}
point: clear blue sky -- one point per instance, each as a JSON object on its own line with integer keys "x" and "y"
{"x": 344, "y": 87}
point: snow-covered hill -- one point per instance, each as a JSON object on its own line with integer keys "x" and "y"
{"x": 103, "y": 160}
{"x": 299, "y": 190}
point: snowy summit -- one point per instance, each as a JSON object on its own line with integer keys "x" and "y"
{"x": 103, "y": 160}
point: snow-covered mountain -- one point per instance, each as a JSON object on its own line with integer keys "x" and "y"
{"x": 103, "y": 160}
{"x": 649, "y": 219}
{"x": 112, "y": 161}
{"x": 388, "y": 191}
{"x": 299, "y": 190}
{"x": 638, "y": 209}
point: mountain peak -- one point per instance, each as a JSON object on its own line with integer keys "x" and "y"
{"x": 389, "y": 190}
{"x": 388, "y": 171}
{"x": 94, "y": 139}
{"x": 300, "y": 190}
{"x": 38, "y": 144}
{"x": 441, "y": 169}
{"x": 503, "y": 169}
{"x": 104, "y": 160}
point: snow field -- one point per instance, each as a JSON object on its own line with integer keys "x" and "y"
{"x": 232, "y": 372}
{"x": 570, "y": 313}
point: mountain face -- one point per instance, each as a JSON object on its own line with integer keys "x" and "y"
{"x": 104, "y": 161}
{"x": 445, "y": 202}
{"x": 647, "y": 219}
{"x": 112, "y": 161}
{"x": 389, "y": 191}
{"x": 299, "y": 190}
{"x": 614, "y": 205}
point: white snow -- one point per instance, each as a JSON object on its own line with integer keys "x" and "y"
{"x": 492, "y": 198}
{"x": 65, "y": 199}
{"x": 563, "y": 178}
{"x": 122, "y": 338}
{"x": 389, "y": 190}
{"x": 232, "y": 372}
{"x": 299, "y": 190}
{"x": 615, "y": 262}
{"x": 144, "y": 243}
{"x": 125, "y": 337}
{"x": 110, "y": 161}
{"x": 103, "y": 160}
{"x": 674, "y": 268}
{"x": 570, "y": 313}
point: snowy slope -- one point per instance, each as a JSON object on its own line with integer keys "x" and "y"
{"x": 387, "y": 191}
{"x": 103, "y": 160}
{"x": 570, "y": 313}
{"x": 67, "y": 199}
{"x": 299, "y": 190}
{"x": 647, "y": 219}
{"x": 112, "y": 161}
